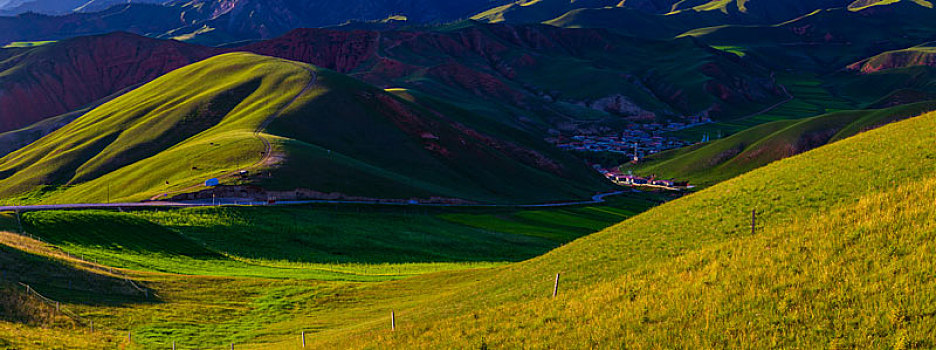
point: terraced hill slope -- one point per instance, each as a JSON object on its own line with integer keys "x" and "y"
{"x": 319, "y": 131}
{"x": 840, "y": 255}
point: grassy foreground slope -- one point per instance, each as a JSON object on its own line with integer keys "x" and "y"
{"x": 843, "y": 257}
{"x": 240, "y": 274}
{"x": 753, "y": 148}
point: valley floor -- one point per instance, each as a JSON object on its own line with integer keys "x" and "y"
{"x": 260, "y": 276}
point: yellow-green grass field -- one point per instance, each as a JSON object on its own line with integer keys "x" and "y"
{"x": 233, "y": 274}
{"x": 841, "y": 257}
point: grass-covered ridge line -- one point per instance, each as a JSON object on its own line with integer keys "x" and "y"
{"x": 190, "y": 124}
{"x": 841, "y": 256}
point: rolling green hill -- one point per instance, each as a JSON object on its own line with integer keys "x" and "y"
{"x": 841, "y": 256}
{"x": 231, "y": 274}
{"x": 328, "y": 133}
{"x": 747, "y": 150}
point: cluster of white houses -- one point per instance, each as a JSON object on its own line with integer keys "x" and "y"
{"x": 637, "y": 181}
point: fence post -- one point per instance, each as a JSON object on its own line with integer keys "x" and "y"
{"x": 27, "y": 290}
{"x": 303, "y": 338}
{"x": 392, "y": 321}
{"x": 556, "y": 286}
{"x": 753, "y": 221}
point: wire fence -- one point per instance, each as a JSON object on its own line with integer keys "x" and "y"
{"x": 91, "y": 264}
{"x": 59, "y": 307}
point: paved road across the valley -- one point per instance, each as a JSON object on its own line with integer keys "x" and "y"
{"x": 596, "y": 199}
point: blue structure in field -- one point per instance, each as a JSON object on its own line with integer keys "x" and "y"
{"x": 212, "y": 182}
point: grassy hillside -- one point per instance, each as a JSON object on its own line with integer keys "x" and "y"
{"x": 725, "y": 158}
{"x": 920, "y": 55}
{"x": 810, "y": 96}
{"x": 328, "y": 133}
{"x": 132, "y": 145}
{"x": 841, "y": 256}
{"x": 234, "y": 273}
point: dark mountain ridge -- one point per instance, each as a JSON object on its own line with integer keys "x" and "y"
{"x": 497, "y": 68}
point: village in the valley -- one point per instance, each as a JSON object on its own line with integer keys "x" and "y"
{"x": 636, "y": 142}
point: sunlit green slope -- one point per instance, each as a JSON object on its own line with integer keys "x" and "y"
{"x": 753, "y": 148}
{"x": 842, "y": 256}
{"x": 131, "y": 146}
{"x": 293, "y": 126}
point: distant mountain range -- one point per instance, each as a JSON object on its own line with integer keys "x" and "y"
{"x": 231, "y": 21}
{"x": 215, "y": 21}
{"x": 542, "y": 76}
{"x": 60, "y": 7}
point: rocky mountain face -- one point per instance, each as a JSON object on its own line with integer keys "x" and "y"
{"x": 54, "y": 79}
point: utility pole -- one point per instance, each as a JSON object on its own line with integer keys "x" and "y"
{"x": 636, "y": 157}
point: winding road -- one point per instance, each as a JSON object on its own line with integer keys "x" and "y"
{"x": 596, "y": 199}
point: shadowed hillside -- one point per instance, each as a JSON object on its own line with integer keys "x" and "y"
{"x": 551, "y": 71}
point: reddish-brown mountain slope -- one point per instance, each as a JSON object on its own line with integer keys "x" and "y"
{"x": 922, "y": 55}
{"x": 58, "y": 78}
